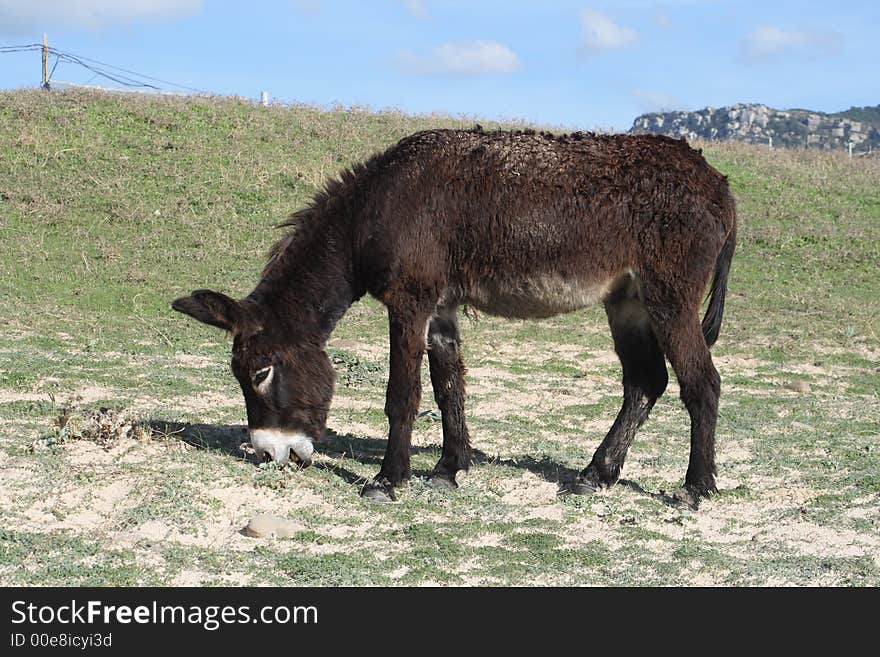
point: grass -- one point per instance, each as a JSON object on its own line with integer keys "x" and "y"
{"x": 111, "y": 206}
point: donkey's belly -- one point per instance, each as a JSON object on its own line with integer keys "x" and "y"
{"x": 538, "y": 296}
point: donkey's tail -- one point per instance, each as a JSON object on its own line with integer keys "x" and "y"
{"x": 718, "y": 290}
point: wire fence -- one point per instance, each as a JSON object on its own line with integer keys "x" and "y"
{"x": 127, "y": 78}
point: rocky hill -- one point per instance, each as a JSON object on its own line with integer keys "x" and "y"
{"x": 793, "y": 128}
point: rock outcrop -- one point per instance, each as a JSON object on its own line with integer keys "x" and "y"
{"x": 759, "y": 124}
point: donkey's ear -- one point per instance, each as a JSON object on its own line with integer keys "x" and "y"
{"x": 211, "y": 308}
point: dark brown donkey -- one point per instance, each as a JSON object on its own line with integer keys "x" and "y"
{"x": 517, "y": 224}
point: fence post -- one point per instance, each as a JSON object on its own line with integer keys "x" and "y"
{"x": 45, "y": 62}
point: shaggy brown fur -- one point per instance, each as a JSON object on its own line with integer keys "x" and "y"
{"x": 518, "y": 224}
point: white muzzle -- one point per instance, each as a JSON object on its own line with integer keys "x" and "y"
{"x": 277, "y": 445}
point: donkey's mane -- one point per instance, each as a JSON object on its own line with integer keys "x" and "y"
{"x": 306, "y": 221}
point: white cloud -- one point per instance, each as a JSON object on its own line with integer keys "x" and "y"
{"x": 417, "y": 8}
{"x": 17, "y": 17}
{"x": 768, "y": 41}
{"x": 469, "y": 58}
{"x": 601, "y": 33}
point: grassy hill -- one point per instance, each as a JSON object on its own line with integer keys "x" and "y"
{"x": 112, "y": 205}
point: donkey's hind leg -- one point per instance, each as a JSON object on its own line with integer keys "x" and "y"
{"x": 447, "y": 379}
{"x": 644, "y": 380}
{"x": 682, "y": 338}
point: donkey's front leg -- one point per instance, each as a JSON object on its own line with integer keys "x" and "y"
{"x": 401, "y": 402}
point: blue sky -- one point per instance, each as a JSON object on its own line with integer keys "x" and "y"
{"x": 572, "y": 64}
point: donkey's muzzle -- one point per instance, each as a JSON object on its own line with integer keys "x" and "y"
{"x": 282, "y": 446}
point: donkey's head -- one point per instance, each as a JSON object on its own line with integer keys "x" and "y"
{"x": 286, "y": 377}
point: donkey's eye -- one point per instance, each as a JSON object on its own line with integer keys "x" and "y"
{"x": 261, "y": 376}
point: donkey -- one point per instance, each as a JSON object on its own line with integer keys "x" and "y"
{"x": 519, "y": 224}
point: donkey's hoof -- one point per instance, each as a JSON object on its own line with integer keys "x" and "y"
{"x": 379, "y": 491}
{"x": 579, "y": 487}
{"x": 587, "y": 483}
{"x": 442, "y": 481}
{"x": 689, "y": 495}
{"x": 685, "y": 498}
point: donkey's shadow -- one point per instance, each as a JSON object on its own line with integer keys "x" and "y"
{"x": 228, "y": 439}
{"x": 231, "y": 440}
{"x": 371, "y": 451}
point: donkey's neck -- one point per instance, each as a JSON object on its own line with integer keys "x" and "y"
{"x": 307, "y": 282}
